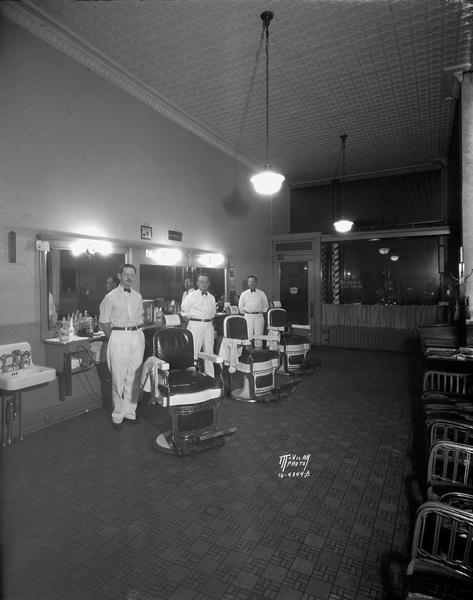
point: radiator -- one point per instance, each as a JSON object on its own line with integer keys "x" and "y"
{"x": 373, "y": 338}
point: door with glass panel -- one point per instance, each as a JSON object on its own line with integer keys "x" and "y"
{"x": 294, "y": 286}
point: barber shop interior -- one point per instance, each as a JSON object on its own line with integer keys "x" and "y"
{"x": 236, "y": 338}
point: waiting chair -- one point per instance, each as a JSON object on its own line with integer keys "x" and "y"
{"x": 441, "y": 564}
{"x": 292, "y": 348}
{"x": 257, "y": 365}
{"x": 449, "y": 469}
{"x": 459, "y": 432}
{"x": 191, "y": 397}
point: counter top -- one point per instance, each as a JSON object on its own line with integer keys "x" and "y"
{"x": 76, "y": 338}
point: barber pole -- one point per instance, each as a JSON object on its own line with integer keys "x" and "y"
{"x": 335, "y": 273}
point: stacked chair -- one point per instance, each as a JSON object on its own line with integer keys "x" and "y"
{"x": 441, "y": 562}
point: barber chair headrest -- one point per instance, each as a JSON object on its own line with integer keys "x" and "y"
{"x": 277, "y": 317}
{"x": 175, "y": 346}
{"x": 235, "y": 327}
{"x": 172, "y": 320}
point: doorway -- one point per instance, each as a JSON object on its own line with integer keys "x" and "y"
{"x": 294, "y": 285}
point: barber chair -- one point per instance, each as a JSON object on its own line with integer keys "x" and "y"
{"x": 292, "y": 348}
{"x": 257, "y": 365}
{"x": 191, "y": 397}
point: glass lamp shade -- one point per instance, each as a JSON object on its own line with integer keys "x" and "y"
{"x": 383, "y": 250}
{"x": 394, "y": 257}
{"x": 343, "y": 225}
{"x": 267, "y": 182}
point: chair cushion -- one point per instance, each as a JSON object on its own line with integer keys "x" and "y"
{"x": 259, "y": 355}
{"x": 191, "y": 387}
{"x": 293, "y": 340}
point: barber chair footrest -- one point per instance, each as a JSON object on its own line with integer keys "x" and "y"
{"x": 192, "y": 445}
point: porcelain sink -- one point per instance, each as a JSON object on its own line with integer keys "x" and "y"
{"x": 27, "y": 377}
{"x": 12, "y": 379}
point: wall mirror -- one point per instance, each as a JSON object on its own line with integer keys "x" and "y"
{"x": 167, "y": 282}
{"x": 72, "y": 280}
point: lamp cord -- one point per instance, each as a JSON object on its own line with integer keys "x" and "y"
{"x": 342, "y": 181}
{"x": 266, "y": 28}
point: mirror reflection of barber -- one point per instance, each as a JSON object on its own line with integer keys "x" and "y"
{"x": 200, "y": 307}
{"x": 252, "y": 304}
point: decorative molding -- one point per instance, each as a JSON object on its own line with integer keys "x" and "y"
{"x": 37, "y": 23}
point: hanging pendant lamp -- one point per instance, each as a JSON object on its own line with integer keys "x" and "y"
{"x": 343, "y": 225}
{"x": 268, "y": 181}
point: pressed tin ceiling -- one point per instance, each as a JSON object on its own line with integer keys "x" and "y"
{"x": 381, "y": 71}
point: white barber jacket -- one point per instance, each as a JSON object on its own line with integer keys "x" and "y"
{"x": 201, "y": 306}
{"x": 254, "y": 302}
{"x": 251, "y": 302}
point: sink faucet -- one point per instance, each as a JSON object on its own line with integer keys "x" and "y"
{"x": 25, "y": 360}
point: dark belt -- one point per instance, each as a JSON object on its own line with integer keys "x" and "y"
{"x": 201, "y": 320}
{"x": 253, "y": 313}
{"x": 134, "y": 328}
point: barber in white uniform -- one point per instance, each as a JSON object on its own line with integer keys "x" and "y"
{"x": 252, "y": 304}
{"x": 121, "y": 317}
{"x": 200, "y": 307}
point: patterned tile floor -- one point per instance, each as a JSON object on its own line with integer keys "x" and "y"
{"x": 93, "y": 514}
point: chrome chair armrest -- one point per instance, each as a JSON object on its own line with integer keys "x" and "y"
{"x": 212, "y": 357}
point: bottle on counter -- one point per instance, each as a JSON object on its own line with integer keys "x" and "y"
{"x": 71, "y": 329}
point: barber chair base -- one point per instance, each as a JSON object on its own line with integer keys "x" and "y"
{"x": 193, "y": 444}
{"x": 293, "y": 361}
{"x": 246, "y": 393}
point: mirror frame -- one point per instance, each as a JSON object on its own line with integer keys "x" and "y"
{"x": 60, "y": 243}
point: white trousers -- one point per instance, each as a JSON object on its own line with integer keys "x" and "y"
{"x": 124, "y": 358}
{"x": 255, "y": 324}
{"x": 203, "y": 334}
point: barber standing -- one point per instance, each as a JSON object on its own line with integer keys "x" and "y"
{"x": 252, "y": 304}
{"x": 199, "y": 306}
{"x": 121, "y": 315}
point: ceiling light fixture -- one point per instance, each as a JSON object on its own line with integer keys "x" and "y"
{"x": 268, "y": 181}
{"x": 394, "y": 257}
{"x": 383, "y": 250}
{"x": 343, "y": 225}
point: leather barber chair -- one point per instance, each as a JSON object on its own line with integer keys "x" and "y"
{"x": 257, "y": 365}
{"x": 191, "y": 397}
{"x": 292, "y": 348}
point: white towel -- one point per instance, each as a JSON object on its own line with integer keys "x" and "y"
{"x": 230, "y": 350}
{"x": 274, "y": 337}
{"x": 150, "y": 376}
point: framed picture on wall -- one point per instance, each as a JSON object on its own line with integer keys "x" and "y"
{"x": 146, "y": 232}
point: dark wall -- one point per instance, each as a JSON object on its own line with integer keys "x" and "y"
{"x": 383, "y": 202}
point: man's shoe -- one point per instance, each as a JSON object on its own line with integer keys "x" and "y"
{"x": 117, "y": 426}
{"x": 133, "y": 421}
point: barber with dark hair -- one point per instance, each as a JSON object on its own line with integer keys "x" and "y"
{"x": 121, "y": 317}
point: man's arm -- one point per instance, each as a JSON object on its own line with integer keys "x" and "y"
{"x": 265, "y": 302}
{"x": 187, "y": 302}
{"x": 241, "y": 303}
